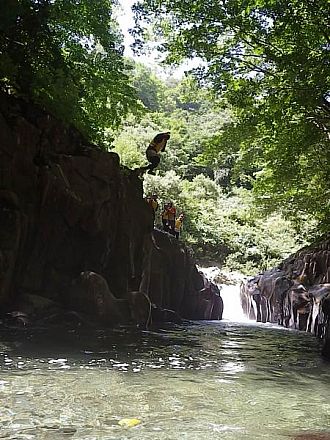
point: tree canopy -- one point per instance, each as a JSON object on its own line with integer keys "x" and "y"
{"x": 270, "y": 61}
{"x": 220, "y": 220}
{"x": 68, "y": 56}
{"x": 181, "y": 107}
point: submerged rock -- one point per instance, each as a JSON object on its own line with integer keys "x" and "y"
{"x": 313, "y": 436}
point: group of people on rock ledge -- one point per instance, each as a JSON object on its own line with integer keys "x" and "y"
{"x": 170, "y": 222}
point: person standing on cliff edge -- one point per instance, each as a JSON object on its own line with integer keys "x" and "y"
{"x": 156, "y": 146}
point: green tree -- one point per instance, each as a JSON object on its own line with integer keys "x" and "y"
{"x": 67, "y": 55}
{"x": 150, "y": 88}
{"x": 220, "y": 221}
{"x": 189, "y": 112}
{"x": 222, "y": 227}
{"x": 270, "y": 62}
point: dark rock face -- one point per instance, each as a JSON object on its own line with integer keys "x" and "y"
{"x": 296, "y": 294}
{"x": 312, "y": 436}
{"x": 69, "y": 210}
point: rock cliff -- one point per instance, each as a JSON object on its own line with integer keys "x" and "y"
{"x": 76, "y": 234}
{"x": 296, "y": 294}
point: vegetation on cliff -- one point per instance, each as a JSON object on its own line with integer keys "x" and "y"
{"x": 68, "y": 56}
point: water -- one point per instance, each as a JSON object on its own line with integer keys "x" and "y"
{"x": 232, "y": 310}
{"x": 201, "y": 380}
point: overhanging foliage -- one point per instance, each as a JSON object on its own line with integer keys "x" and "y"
{"x": 67, "y": 55}
{"x": 270, "y": 60}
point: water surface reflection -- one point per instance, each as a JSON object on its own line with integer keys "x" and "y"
{"x": 215, "y": 380}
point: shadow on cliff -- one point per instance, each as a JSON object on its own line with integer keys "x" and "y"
{"x": 76, "y": 238}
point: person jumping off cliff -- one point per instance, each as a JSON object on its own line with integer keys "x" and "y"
{"x": 156, "y": 146}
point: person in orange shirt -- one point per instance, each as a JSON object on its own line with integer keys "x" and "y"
{"x": 153, "y": 203}
{"x": 164, "y": 216}
{"x": 171, "y": 213}
{"x": 178, "y": 226}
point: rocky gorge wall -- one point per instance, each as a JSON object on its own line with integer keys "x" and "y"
{"x": 295, "y": 294}
{"x": 76, "y": 233}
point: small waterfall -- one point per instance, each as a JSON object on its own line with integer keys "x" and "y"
{"x": 232, "y": 309}
{"x": 229, "y": 285}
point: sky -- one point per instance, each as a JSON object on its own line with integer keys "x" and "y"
{"x": 125, "y": 20}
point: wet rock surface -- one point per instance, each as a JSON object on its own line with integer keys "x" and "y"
{"x": 295, "y": 294}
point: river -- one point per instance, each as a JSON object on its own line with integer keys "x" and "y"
{"x": 200, "y": 380}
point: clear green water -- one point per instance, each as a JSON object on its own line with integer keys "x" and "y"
{"x": 204, "y": 381}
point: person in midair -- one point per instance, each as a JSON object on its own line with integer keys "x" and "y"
{"x": 156, "y": 146}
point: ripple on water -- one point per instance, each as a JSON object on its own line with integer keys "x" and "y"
{"x": 206, "y": 380}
